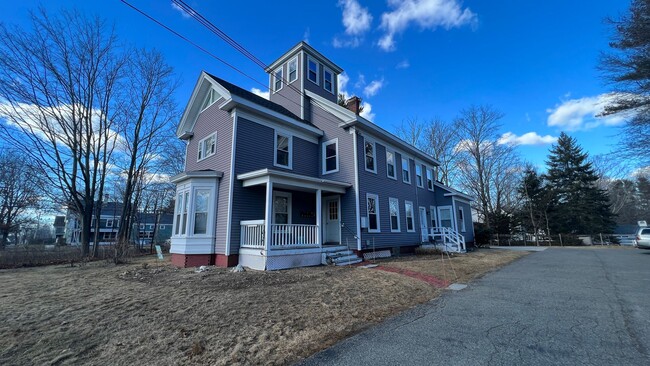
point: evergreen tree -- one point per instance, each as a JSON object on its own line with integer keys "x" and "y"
{"x": 580, "y": 207}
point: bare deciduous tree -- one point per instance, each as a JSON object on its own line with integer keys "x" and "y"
{"x": 442, "y": 140}
{"x": 57, "y": 83}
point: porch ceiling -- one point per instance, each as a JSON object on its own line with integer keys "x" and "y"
{"x": 291, "y": 180}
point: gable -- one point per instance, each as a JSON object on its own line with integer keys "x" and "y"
{"x": 205, "y": 91}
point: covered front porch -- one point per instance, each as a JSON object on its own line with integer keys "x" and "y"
{"x": 300, "y": 215}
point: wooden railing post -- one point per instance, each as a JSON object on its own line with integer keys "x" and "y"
{"x": 268, "y": 215}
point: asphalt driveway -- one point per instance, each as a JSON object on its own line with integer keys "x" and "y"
{"x": 556, "y": 307}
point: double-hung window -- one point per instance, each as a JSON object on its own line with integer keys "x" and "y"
{"x": 201, "y": 204}
{"x": 406, "y": 171}
{"x": 410, "y": 225}
{"x": 418, "y": 175}
{"x": 328, "y": 80}
{"x": 292, "y": 70}
{"x": 277, "y": 79}
{"x": 393, "y": 205}
{"x": 331, "y": 156}
{"x": 207, "y": 147}
{"x": 461, "y": 219}
{"x": 390, "y": 164}
{"x": 109, "y": 223}
{"x": 281, "y": 208}
{"x": 313, "y": 70}
{"x": 371, "y": 156}
{"x": 430, "y": 179}
{"x": 372, "y": 201}
{"x": 192, "y": 212}
{"x": 283, "y": 147}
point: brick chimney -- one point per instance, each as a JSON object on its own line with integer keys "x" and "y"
{"x": 353, "y": 104}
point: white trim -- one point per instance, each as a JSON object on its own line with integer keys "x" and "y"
{"x": 451, "y": 208}
{"x": 390, "y": 216}
{"x": 295, "y": 58}
{"x": 291, "y": 179}
{"x": 324, "y": 157}
{"x": 374, "y": 155}
{"x": 424, "y": 237}
{"x": 289, "y": 137}
{"x": 210, "y": 91}
{"x": 327, "y": 70}
{"x": 394, "y": 177}
{"x": 453, "y": 212}
{"x": 408, "y": 165}
{"x": 325, "y": 208}
{"x": 434, "y": 216}
{"x": 319, "y": 217}
{"x": 353, "y": 131}
{"x": 200, "y": 147}
{"x": 376, "y": 198}
{"x": 231, "y": 181}
{"x": 275, "y": 78}
{"x": 301, "y": 65}
{"x": 406, "y": 216}
{"x": 289, "y": 203}
{"x": 302, "y": 45}
{"x": 318, "y": 67}
{"x": 432, "y": 180}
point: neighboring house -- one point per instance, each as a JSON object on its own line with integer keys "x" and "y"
{"x": 59, "y": 227}
{"x": 145, "y": 226}
{"x": 314, "y": 175}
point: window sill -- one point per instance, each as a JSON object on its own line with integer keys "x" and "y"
{"x": 330, "y": 172}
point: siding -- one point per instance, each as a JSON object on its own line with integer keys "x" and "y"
{"x": 254, "y": 151}
{"x": 329, "y": 125}
{"x": 287, "y": 96}
{"x": 318, "y": 89}
{"x": 469, "y": 225}
{"x": 211, "y": 120}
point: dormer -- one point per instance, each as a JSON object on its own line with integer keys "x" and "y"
{"x": 302, "y": 68}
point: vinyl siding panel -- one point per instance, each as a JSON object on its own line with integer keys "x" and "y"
{"x": 469, "y": 225}
{"x": 255, "y": 151}
{"x": 386, "y": 188}
{"x": 211, "y": 120}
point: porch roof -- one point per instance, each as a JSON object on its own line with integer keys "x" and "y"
{"x": 196, "y": 174}
{"x": 280, "y": 178}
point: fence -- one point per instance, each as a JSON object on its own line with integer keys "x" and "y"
{"x": 525, "y": 239}
{"x": 15, "y": 256}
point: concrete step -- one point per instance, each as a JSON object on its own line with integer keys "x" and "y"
{"x": 345, "y": 258}
{"x": 347, "y": 263}
{"x": 337, "y": 248}
{"x": 342, "y": 253}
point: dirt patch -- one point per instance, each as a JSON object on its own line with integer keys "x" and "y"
{"x": 152, "y": 313}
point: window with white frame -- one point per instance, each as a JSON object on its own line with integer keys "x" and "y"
{"x": 109, "y": 223}
{"x": 390, "y": 164}
{"x": 313, "y": 70}
{"x": 331, "y": 156}
{"x": 179, "y": 211}
{"x": 283, "y": 149}
{"x": 444, "y": 215}
{"x": 328, "y": 80}
{"x": 430, "y": 179}
{"x": 281, "y": 208}
{"x": 418, "y": 175}
{"x": 277, "y": 79}
{"x": 406, "y": 171}
{"x": 461, "y": 219}
{"x": 186, "y": 204}
{"x": 370, "y": 156}
{"x": 410, "y": 224}
{"x": 393, "y": 205}
{"x": 151, "y": 226}
{"x": 201, "y": 205}
{"x": 212, "y": 97}
{"x": 207, "y": 147}
{"x": 292, "y": 70}
{"x": 372, "y": 201}
{"x": 162, "y": 227}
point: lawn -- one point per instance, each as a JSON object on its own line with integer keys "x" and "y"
{"x": 148, "y": 312}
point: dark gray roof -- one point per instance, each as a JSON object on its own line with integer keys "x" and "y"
{"x": 252, "y": 97}
{"x": 59, "y": 221}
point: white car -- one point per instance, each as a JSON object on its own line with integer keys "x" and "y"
{"x": 643, "y": 238}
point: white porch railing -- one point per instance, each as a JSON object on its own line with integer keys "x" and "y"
{"x": 452, "y": 240}
{"x": 283, "y": 236}
{"x": 252, "y": 234}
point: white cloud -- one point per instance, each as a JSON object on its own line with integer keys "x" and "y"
{"x": 404, "y": 64}
{"x": 530, "y": 138}
{"x": 343, "y": 83}
{"x": 373, "y": 88}
{"x": 367, "y": 111}
{"x": 305, "y": 36}
{"x": 583, "y": 113}
{"x": 353, "y": 42}
{"x": 263, "y": 94}
{"x": 184, "y": 13}
{"x": 428, "y": 14}
{"x": 356, "y": 19}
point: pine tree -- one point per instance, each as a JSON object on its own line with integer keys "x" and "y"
{"x": 580, "y": 207}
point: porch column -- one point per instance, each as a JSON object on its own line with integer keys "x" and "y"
{"x": 319, "y": 218}
{"x": 268, "y": 215}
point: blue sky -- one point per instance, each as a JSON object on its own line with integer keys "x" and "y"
{"x": 534, "y": 61}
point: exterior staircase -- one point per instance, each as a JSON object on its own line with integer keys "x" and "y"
{"x": 446, "y": 239}
{"x": 339, "y": 255}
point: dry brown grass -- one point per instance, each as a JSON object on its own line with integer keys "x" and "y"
{"x": 156, "y": 314}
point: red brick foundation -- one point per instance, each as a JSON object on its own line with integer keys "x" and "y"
{"x": 197, "y": 260}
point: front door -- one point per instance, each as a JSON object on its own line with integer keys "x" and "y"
{"x": 331, "y": 220}
{"x": 423, "y": 224}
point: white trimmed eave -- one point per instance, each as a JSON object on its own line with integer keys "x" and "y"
{"x": 235, "y": 101}
{"x": 302, "y": 45}
{"x": 263, "y": 176}
{"x": 342, "y": 113}
{"x": 196, "y": 174}
{"x": 192, "y": 110}
{"x": 454, "y": 193}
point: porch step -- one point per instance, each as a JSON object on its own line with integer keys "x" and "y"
{"x": 340, "y": 257}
